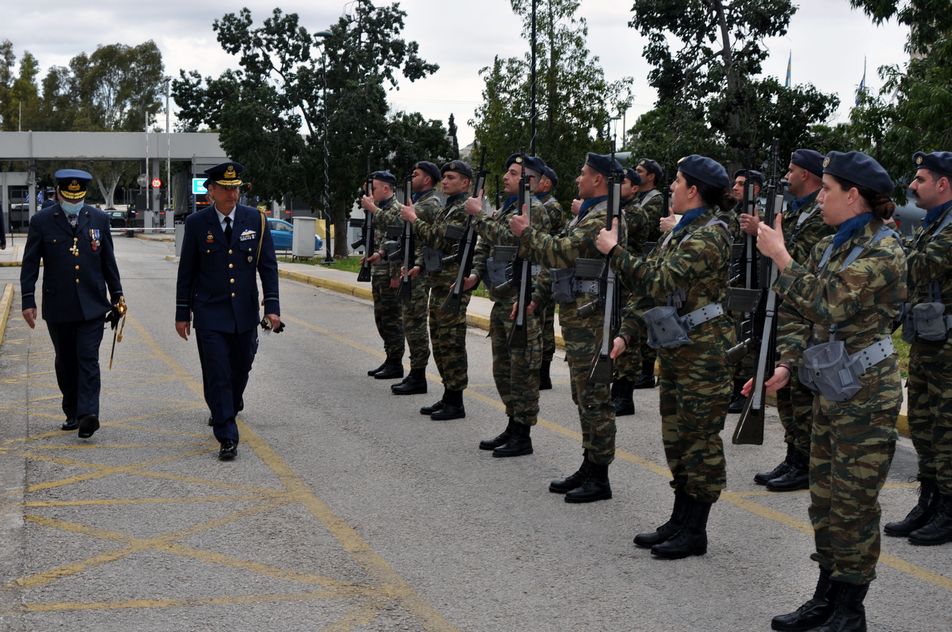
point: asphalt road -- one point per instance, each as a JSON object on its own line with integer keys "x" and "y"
{"x": 347, "y": 510}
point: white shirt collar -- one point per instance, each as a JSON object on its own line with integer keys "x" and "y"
{"x": 221, "y": 216}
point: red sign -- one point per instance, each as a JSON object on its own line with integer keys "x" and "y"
{"x": 156, "y": 183}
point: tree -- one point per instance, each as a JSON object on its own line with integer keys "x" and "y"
{"x": 19, "y": 100}
{"x": 281, "y": 64}
{"x": 575, "y": 101}
{"x": 714, "y": 69}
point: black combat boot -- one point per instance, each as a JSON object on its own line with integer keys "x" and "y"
{"x": 413, "y": 384}
{"x": 545, "y": 380}
{"x": 939, "y": 529}
{"x": 691, "y": 539}
{"x": 595, "y": 487}
{"x": 920, "y": 515}
{"x": 814, "y": 612}
{"x": 519, "y": 442}
{"x": 668, "y": 529}
{"x": 622, "y": 402}
{"x": 391, "y": 369}
{"x": 373, "y": 372}
{"x": 849, "y": 614}
{"x": 452, "y": 407}
{"x": 435, "y": 406}
{"x": 499, "y": 439}
{"x": 765, "y": 477}
{"x": 737, "y": 400}
{"x": 646, "y": 379}
{"x": 796, "y": 477}
{"x": 570, "y": 482}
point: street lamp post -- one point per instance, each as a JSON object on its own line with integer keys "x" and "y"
{"x": 326, "y": 201}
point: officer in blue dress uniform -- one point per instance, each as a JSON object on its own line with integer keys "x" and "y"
{"x": 75, "y": 245}
{"x": 224, "y": 246}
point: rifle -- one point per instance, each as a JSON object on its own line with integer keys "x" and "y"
{"x": 518, "y": 335}
{"x": 609, "y": 296}
{"x": 498, "y": 193}
{"x": 745, "y": 300}
{"x": 466, "y": 246}
{"x": 366, "y": 236}
{"x": 750, "y": 426}
{"x": 405, "y": 283}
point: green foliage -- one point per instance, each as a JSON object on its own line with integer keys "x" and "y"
{"x": 931, "y": 20}
{"x": 575, "y": 101}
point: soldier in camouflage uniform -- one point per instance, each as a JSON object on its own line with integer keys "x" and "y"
{"x": 557, "y": 220}
{"x": 447, "y": 331}
{"x": 627, "y": 367}
{"x": 803, "y": 228}
{"x": 515, "y": 370}
{"x": 687, "y": 275}
{"x": 582, "y": 333}
{"x": 382, "y": 203}
{"x": 652, "y": 201}
{"x": 745, "y": 248}
{"x": 930, "y": 356}
{"x": 427, "y": 203}
{"x": 850, "y": 292}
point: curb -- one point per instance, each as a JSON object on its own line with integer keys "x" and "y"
{"x": 6, "y": 300}
{"x": 473, "y": 320}
{"x": 154, "y": 237}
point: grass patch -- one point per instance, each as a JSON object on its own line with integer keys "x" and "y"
{"x": 902, "y": 350}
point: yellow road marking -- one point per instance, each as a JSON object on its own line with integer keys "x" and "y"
{"x": 121, "y": 502}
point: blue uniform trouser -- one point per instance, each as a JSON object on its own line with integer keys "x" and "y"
{"x": 76, "y": 346}
{"x": 226, "y": 360}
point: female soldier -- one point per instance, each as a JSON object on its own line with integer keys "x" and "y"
{"x": 851, "y": 290}
{"x": 687, "y": 276}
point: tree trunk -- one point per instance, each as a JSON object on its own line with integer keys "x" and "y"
{"x": 730, "y": 74}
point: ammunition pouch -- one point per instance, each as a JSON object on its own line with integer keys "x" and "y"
{"x": 499, "y": 265}
{"x": 668, "y": 330}
{"x": 432, "y": 260}
{"x": 829, "y": 370}
{"x": 563, "y": 284}
{"x": 394, "y": 231}
{"x": 391, "y": 250}
{"x": 454, "y": 232}
{"x": 926, "y": 322}
{"x": 570, "y": 283}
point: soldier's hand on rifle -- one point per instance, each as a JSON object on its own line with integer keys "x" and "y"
{"x": 530, "y": 309}
{"x": 374, "y": 258}
{"x": 618, "y": 347}
{"x": 408, "y": 213}
{"x": 770, "y": 243}
{"x": 468, "y": 283}
{"x": 607, "y": 239}
{"x": 779, "y": 379}
{"x": 518, "y": 224}
{"x": 29, "y": 315}
{"x": 474, "y": 205}
{"x": 749, "y": 223}
{"x": 368, "y": 203}
{"x": 576, "y": 206}
{"x": 668, "y": 222}
{"x": 415, "y": 272}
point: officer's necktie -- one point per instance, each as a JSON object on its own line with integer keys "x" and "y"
{"x": 228, "y": 229}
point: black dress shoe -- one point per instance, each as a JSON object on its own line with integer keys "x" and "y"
{"x": 70, "y": 424}
{"x": 449, "y": 411}
{"x": 228, "y": 451}
{"x": 389, "y": 372}
{"x": 87, "y": 426}
{"x": 432, "y": 408}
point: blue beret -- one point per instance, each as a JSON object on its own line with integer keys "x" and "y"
{"x": 938, "y": 161}
{"x": 632, "y": 175}
{"x": 808, "y": 159}
{"x": 602, "y": 163}
{"x": 860, "y": 169}
{"x": 460, "y": 167}
{"x": 549, "y": 173}
{"x": 652, "y": 166}
{"x": 705, "y": 169}
{"x": 750, "y": 174}
{"x": 384, "y": 176}
{"x": 429, "y": 169}
{"x": 72, "y": 183}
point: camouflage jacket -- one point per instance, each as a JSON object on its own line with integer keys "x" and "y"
{"x": 556, "y": 214}
{"x": 433, "y": 233}
{"x": 930, "y": 259}
{"x": 388, "y": 215}
{"x": 577, "y": 240}
{"x": 688, "y": 269}
{"x": 862, "y": 301}
{"x": 636, "y": 224}
{"x": 493, "y": 230}
{"x": 803, "y": 227}
{"x": 427, "y": 207}
{"x": 652, "y": 203}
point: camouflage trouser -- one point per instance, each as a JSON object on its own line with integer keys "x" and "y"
{"x": 596, "y": 415}
{"x": 548, "y": 332}
{"x": 694, "y": 395}
{"x": 747, "y": 366}
{"x": 628, "y": 365}
{"x": 414, "y": 323}
{"x": 387, "y": 312}
{"x": 795, "y": 405}
{"x": 849, "y": 460}
{"x": 448, "y": 337}
{"x": 516, "y": 371}
{"x": 930, "y": 418}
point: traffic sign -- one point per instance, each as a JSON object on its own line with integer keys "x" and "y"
{"x": 198, "y": 186}
{"x": 156, "y": 183}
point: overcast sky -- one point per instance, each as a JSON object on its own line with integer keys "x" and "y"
{"x": 827, "y": 39}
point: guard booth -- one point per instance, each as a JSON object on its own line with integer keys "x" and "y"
{"x": 15, "y": 200}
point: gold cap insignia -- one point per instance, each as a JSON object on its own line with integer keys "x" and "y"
{"x": 230, "y": 173}
{"x": 826, "y": 162}
{"x": 73, "y": 186}
{"x": 918, "y": 160}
